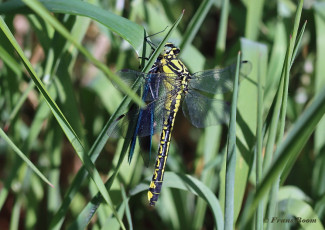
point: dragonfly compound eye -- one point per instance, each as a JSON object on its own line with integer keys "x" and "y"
{"x": 171, "y": 49}
{"x": 175, "y": 51}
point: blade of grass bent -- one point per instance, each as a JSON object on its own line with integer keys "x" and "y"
{"x": 66, "y": 127}
{"x": 231, "y": 156}
{"x": 23, "y": 157}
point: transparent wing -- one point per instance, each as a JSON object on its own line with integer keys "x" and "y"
{"x": 218, "y": 80}
{"x": 144, "y": 123}
{"x": 157, "y": 89}
{"x": 202, "y": 111}
{"x": 130, "y": 76}
{"x": 153, "y": 83}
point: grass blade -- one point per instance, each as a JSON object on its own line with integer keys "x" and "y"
{"x": 231, "y": 155}
{"x": 319, "y": 70}
{"x": 195, "y": 23}
{"x": 254, "y": 18}
{"x": 23, "y": 157}
{"x": 222, "y": 33}
{"x": 259, "y": 148}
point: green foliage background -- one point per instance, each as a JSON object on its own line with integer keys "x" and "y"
{"x": 59, "y": 101}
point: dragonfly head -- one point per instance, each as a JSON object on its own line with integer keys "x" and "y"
{"x": 171, "y": 49}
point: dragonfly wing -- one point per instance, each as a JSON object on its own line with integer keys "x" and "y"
{"x": 218, "y": 80}
{"x": 202, "y": 111}
{"x": 144, "y": 123}
{"x": 139, "y": 123}
{"x": 129, "y": 77}
{"x": 161, "y": 87}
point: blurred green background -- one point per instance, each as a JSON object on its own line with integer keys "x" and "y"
{"x": 59, "y": 109}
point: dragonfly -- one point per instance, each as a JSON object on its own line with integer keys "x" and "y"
{"x": 169, "y": 86}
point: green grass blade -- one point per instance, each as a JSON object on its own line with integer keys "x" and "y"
{"x": 20, "y": 102}
{"x": 23, "y": 157}
{"x": 89, "y": 210}
{"x": 298, "y": 42}
{"x": 259, "y": 148}
{"x": 291, "y": 162}
{"x": 9, "y": 60}
{"x": 16, "y": 210}
{"x": 71, "y": 135}
{"x": 127, "y": 208}
{"x": 288, "y": 63}
{"x": 54, "y": 146}
{"x": 254, "y": 18}
{"x": 222, "y": 32}
{"x": 292, "y": 192}
{"x": 196, "y": 23}
{"x": 277, "y": 58}
{"x": 231, "y": 156}
{"x": 319, "y": 8}
{"x": 318, "y": 183}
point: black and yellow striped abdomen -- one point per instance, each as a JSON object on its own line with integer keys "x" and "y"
{"x": 158, "y": 176}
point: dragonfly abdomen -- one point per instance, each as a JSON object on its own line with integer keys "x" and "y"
{"x": 168, "y": 124}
